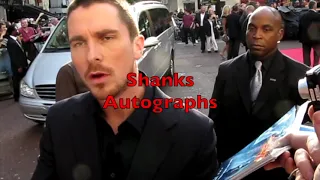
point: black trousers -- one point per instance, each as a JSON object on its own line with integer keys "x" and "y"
{"x": 196, "y": 33}
{"x": 31, "y": 50}
{"x": 16, "y": 78}
{"x": 307, "y": 52}
{"x": 188, "y": 32}
{"x": 202, "y": 34}
{"x": 233, "y": 51}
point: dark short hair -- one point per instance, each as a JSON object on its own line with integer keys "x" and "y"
{"x": 235, "y": 8}
{"x": 311, "y": 4}
{"x": 11, "y": 29}
{"x": 121, "y": 5}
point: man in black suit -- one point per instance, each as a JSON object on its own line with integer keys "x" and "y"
{"x": 86, "y": 139}
{"x": 244, "y": 23}
{"x": 19, "y": 62}
{"x": 234, "y": 32}
{"x": 199, "y": 21}
{"x": 309, "y": 34}
{"x": 256, "y": 89}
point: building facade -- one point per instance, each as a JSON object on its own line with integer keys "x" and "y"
{"x": 59, "y": 6}
{"x": 3, "y": 13}
{"x": 174, "y": 5}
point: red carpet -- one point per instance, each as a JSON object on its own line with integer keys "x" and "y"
{"x": 296, "y": 54}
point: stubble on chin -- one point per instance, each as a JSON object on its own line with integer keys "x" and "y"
{"x": 101, "y": 92}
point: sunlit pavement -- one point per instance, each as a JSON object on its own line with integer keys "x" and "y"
{"x": 19, "y": 137}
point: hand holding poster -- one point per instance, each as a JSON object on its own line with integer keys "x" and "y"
{"x": 263, "y": 150}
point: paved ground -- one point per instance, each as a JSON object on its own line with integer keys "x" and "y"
{"x": 19, "y": 138}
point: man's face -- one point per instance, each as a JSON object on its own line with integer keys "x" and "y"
{"x": 19, "y": 37}
{"x": 54, "y": 21}
{"x": 263, "y": 33}
{"x": 102, "y": 50}
{"x": 3, "y": 28}
{"x": 203, "y": 9}
{"x": 24, "y": 23}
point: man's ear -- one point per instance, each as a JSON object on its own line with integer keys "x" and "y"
{"x": 138, "y": 47}
{"x": 280, "y": 34}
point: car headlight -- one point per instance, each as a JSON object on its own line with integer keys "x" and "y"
{"x": 26, "y": 91}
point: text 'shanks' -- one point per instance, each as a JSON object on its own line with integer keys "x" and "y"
{"x": 156, "y": 81}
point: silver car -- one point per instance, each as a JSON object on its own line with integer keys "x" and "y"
{"x": 37, "y": 89}
{"x": 5, "y": 85}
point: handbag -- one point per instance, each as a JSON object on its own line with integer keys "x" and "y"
{"x": 225, "y": 38}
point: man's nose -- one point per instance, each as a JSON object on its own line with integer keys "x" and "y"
{"x": 257, "y": 34}
{"x": 94, "y": 52}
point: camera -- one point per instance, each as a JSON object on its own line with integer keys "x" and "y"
{"x": 308, "y": 87}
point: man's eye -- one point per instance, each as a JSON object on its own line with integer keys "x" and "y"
{"x": 78, "y": 44}
{"x": 108, "y": 38}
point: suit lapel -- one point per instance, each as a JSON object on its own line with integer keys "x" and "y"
{"x": 243, "y": 81}
{"x": 85, "y": 138}
{"x": 154, "y": 145}
{"x": 15, "y": 41}
{"x": 271, "y": 82}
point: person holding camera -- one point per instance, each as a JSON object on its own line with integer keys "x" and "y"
{"x": 255, "y": 89}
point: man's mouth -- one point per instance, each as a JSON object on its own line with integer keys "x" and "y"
{"x": 257, "y": 46}
{"x": 98, "y": 77}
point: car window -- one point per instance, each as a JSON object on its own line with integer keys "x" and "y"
{"x": 59, "y": 38}
{"x": 161, "y": 20}
{"x": 144, "y": 25}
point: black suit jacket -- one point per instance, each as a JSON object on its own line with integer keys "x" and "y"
{"x": 17, "y": 55}
{"x": 197, "y": 18}
{"x": 233, "y": 26}
{"x": 237, "y": 123}
{"x": 243, "y": 17}
{"x": 244, "y": 25}
{"x": 305, "y": 21}
{"x": 174, "y": 145}
{"x": 208, "y": 28}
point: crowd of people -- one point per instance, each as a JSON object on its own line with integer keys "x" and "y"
{"x": 234, "y": 20}
{"x": 207, "y": 26}
{"x": 20, "y": 43}
{"x": 253, "y": 91}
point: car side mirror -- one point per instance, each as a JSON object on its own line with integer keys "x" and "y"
{"x": 151, "y": 41}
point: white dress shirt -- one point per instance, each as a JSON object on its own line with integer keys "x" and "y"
{"x": 201, "y": 18}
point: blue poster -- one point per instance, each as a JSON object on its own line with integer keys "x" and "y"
{"x": 257, "y": 153}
